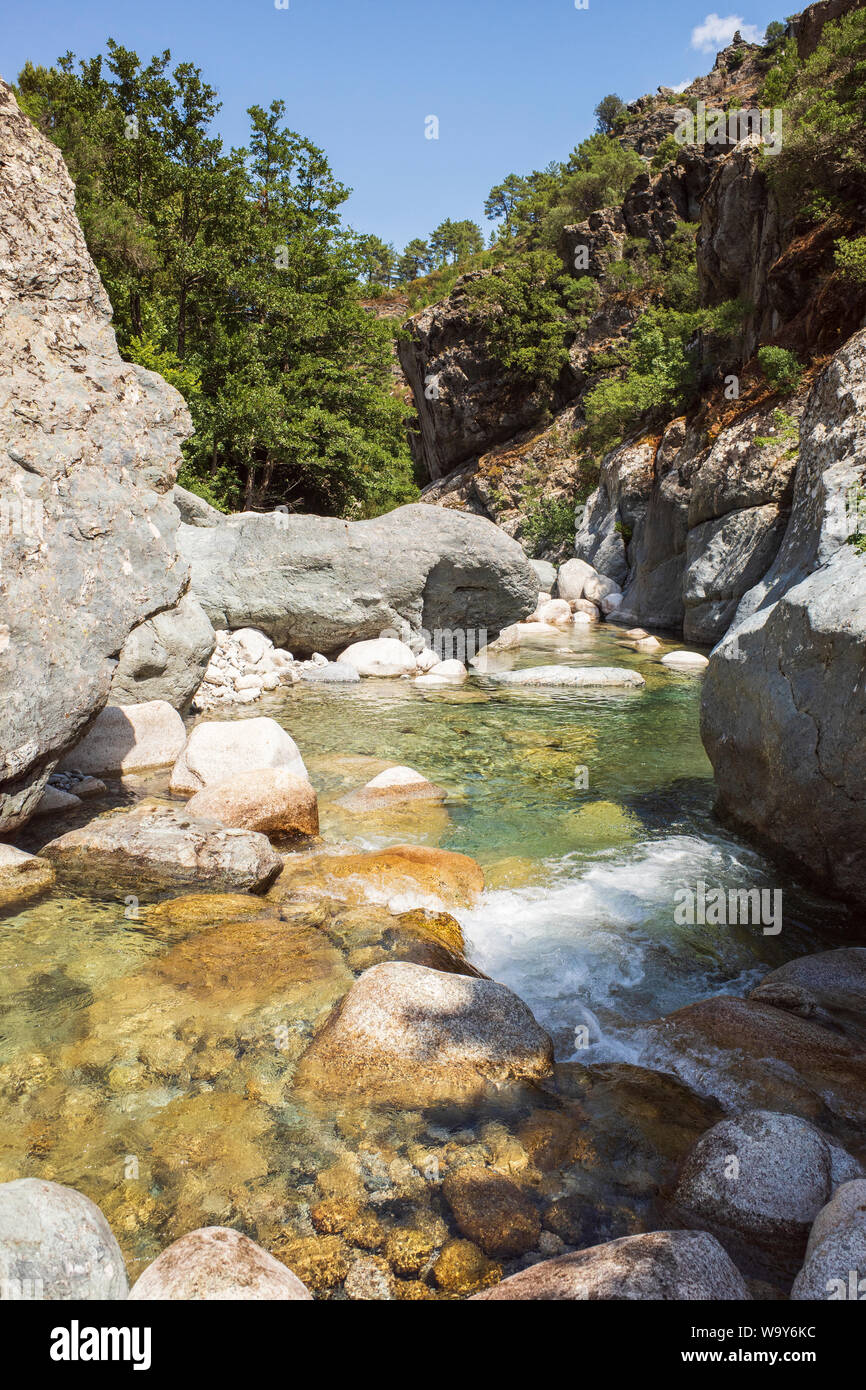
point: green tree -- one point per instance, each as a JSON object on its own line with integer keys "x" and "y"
{"x": 415, "y": 260}
{"x": 233, "y": 274}
{"x": 606, "y": 113}
{"x": 503, "y": 200}
{"x": 525, "y": 318}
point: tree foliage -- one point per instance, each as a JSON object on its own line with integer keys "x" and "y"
{"x": 232, "y": 274}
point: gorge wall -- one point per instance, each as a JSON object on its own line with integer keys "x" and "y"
{"x": 729, "y": 525}
{"x": 89, "y": 451}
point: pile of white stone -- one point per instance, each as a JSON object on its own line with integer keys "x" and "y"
{"x": 245, "y": 664}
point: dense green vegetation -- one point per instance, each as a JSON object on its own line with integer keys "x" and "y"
{"x": 823, "y": 153}
{"x": 782, "y": 369}
{"x": 232, "y": 274}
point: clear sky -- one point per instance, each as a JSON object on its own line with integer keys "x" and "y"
{"x": 513, "y": 83}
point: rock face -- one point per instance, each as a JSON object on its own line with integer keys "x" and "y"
{"x": 783, "y": 716}
{"x": 129, "y": 739}
{"x": 405, "y": 1030}
{"x": 757, "y": 1183}
{"x": 686, "y": 530}
{"x": 217, "y": 1263}
{"x": 218, "y": 750}
{"x": 465, "y": 400}
{"x": 664, "y": 1265}
{"x": 161, "y": 846}
{"x": 317, "y": 584}
{"x": 89, "y": 450}
{"x": 56, "y": 1244}
{"x": 165, "y": 658}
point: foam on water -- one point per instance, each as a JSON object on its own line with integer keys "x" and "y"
{"x": 597, "y": 945}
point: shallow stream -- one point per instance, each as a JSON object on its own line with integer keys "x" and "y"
{"x": 160, "y": 1083}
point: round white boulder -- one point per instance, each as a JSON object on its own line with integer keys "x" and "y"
{"x": 219, "y": 749}
{"x": 381, "y": 656}
{"x": 56, "y": 1244}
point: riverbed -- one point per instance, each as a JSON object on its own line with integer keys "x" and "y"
{"x": 162, "y": 1086}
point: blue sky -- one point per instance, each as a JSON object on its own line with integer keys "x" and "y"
{"x": 513, "y": 83}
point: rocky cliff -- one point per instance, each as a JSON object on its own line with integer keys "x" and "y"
{"x": 89, "y": 450}
{"x": 784, "y": 704}
{"x": 725, "y": 521}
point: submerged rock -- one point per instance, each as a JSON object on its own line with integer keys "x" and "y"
{"x": 394, "y": 786}
{"x": 404, "y": 1031}
{"x": 492, "y": 1211}
{"x": 689, "y": 1265}
{"x": 270, "y": 800}
{"x": 585, "y": 677}
{"x": 22, "y": 876}
{"x": 218, "y": 750}
{"x": 56, "y": 1244}
{"x": 161, "y": 845}
{"x": 217, "y": 1263}
{"x": 414, "y": 872}
{"x": 129, "y": 738}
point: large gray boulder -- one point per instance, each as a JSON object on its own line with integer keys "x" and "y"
{"x": 318, "y": 583}
{"x": 404, "y": 1031}
{"x": 757, "y": 1183}
{"x": 166, "y": 657}
{"x": 835, "y": 1264}
{"x": 89, "y": 451}
{"x": 784, "y": 701}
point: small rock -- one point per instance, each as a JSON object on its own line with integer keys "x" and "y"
{"x": 129, "y": 738}
{"x": 218, "y": 750}
{"x": 53, "y": 800}
{"x": 685, "y": 661}
{"x": 492, "y": 1211}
